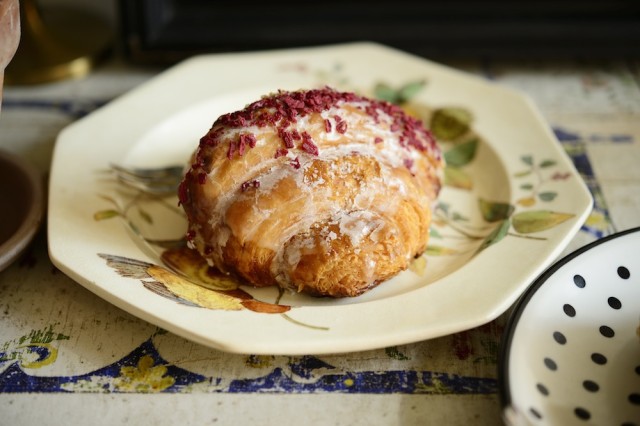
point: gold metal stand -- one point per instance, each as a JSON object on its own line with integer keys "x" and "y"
{"x": 57, "y": 45}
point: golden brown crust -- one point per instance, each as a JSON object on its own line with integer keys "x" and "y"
{"x": 329, "y": 197}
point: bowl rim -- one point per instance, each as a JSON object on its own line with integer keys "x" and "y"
{"x": 15, "y": 245}
{"x": 518, "y": 309}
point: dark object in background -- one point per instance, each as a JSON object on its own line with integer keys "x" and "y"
{"x": 164, "y": 31}
{"x": 56, "y": 43}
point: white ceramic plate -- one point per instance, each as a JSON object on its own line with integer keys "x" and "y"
{"x": 513, "y": 202}
{"x": 571, "y": 350}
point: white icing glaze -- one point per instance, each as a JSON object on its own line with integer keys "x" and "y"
{"x": 359, "y": 220}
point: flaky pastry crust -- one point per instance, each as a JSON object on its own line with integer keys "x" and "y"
{"x": 319, "y": 191}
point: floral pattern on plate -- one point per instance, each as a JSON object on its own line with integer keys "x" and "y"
{"x": 186, "y": 277}
{"x": 472, "y": 272}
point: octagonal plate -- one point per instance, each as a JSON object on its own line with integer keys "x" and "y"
{"x": 511, "y": 204}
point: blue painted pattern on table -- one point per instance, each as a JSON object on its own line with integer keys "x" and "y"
{"x": 74, "y": 109}
{"x": 599, "y": 224}
{"x": 135, "y": 373}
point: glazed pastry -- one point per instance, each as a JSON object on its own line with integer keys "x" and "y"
{"x": 319, "y": 191}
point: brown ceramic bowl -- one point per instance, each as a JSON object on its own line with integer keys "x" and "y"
{"x": 21, "y": 205}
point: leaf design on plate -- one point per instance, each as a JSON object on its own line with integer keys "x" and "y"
{"x": 418, "y": 265}
{"x": 449, "y": 124}
{"x": 189, "y": 263}
{"x": 161, "y": 290}
{"x": 547, "y": 163}
{"x": 187, "y": 290}
{"x": 538, "y": 220}
{"x": 461, "y": 154}
{"x": 526, "y": 201}
{"x": 439, "y": 251}
{"x": 264, "y": 307}
{"x": 493, "y": 211}
{"x": 126, "y": 267}
{"x": 457, "y": 178}
{"x": 385, "y": 92}
{"x": 409, "y": 90}
{"x": 145, "y": 216}
{"x": 433, "y": 231}
{"x": 105, "y": 214}
{"x": 497, "y": 234}
{"x": 548, "y": 196}
{"x": 523, "y": 173}
{"x": 180, "y": 289}
{"x": 398, "y": 96}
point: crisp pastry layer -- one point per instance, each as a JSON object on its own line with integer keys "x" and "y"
{"x": 318, "y": 191}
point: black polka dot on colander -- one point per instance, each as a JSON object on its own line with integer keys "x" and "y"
{"x": 551, "y": 364}
{"x": 569, "y": 310}
{"x": 634, "y": 398}
{"x": 542, "y": 389}
{"x": 579, "y": 281}
{"x": 623, "y": 272}
{"x": 598, "y": 358}
{"x": 628, "y": 424}
{"x": 559, "y": 337}
{"x": 638, "y": 370}
{"x": 614, "y": 302}
{"x": 607, "y": 331}
{"x": 591, "y": 386}
{"x": 582, "y": 413}
{"x": 535, "y": 413}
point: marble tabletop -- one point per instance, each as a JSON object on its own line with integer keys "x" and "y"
{"x": 68, "y": 356}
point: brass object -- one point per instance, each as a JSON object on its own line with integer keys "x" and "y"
{"x": 57, "y": 45}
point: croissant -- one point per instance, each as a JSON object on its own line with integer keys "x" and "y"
{"x": 319, "y": 191}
